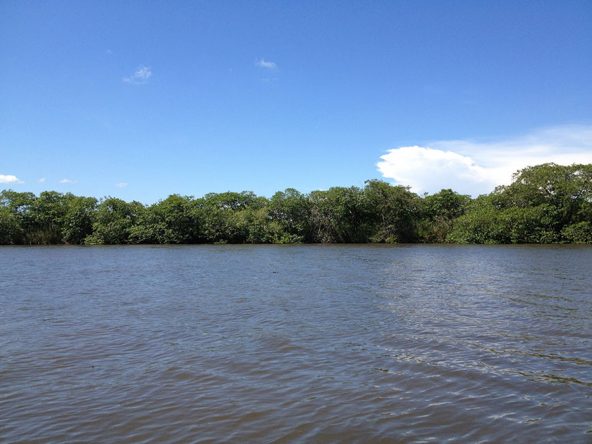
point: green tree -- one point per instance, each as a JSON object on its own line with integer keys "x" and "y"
{"x": 19, "y": 205}
{"x": 395, "y": 212}
{"x": 544, "y": 203}
{"x": 480, "y": 224}
{"x": 567, "y": 189}
{"x": 486, "y": 223}
{"x": 46, "y": 217}
{"x": 439, "y": 213}
{"x": 340, "y": 215}
{"x": 77, "y": 222}
{"x": 173, "y": 220}
{"x": 578, "y": 233}
{"x": 291, "y": 210}
{"x": 218, "y": 213}
{"x": 114, "y": 220}
{"x": 11, "y": 232}
{"x": 255, "y": 226}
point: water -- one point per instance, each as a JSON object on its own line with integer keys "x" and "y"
{"x": 296, "y": 344}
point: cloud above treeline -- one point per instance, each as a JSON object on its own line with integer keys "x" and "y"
{"x": 9, "y": 178}
{"x": 473, "y": 167}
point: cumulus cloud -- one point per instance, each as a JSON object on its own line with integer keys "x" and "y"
{"x": 140, "y": 76}
{"x": 429, "y": 169}
{"x": 121, "y": 184}
{"x": 266, "y": 64}
{"x": 473, "y": 167}
{"x": 9, "y": 178}
{"x": 67, "y": 181}
{"x": 41, "y": 180}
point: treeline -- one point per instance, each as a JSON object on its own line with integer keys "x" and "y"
{"x": 545, "y": 204}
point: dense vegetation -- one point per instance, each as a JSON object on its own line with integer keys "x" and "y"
{"x": 544, "y": 204}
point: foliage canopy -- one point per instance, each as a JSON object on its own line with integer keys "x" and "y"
{"x": 544, "y": 204}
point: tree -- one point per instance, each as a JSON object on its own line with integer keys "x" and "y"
{"x": 395, "y": 212}
{"x": 339, "y": 215}
{"x": 114, "y": 221}
{"x": 171, "y": 221}
{"x": 439, "y": 212}
{"x": 11, "y": 232}
{"x": 562, "y": 194}
{"x": 578, "y": 233}
{"x": 20, "y": 222}
{"x": 481, "y": 224}
{"x": 46, "y": 216}
{"x": 77, "y": 222}
{"x": 545, "y": 203}
{"x": 219, "y": 215}
{"x": 291, "y": 210}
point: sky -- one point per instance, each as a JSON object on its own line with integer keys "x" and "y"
{"x": 142, "y": 99}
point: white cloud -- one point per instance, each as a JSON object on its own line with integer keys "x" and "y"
{"x": 266, "y": 64}
{"x": 8, "y": 178}
{"x": 429, "y": 169}
{"x": 67, "y": 181}
{"x": 121, "y": 184}
{"x": 41, "y": 180}
{"x": 472, "y": 167}
{"x": 140, "y": 76}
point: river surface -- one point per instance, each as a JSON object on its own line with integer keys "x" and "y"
{"x": 296, "y": 344}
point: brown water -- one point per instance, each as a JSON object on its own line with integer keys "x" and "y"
{"x": 296, "y": 344}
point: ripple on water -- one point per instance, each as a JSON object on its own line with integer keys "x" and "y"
{"x": 305, "y": 344}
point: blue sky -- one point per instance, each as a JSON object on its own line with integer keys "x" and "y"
{"x": 143, "y": 99}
